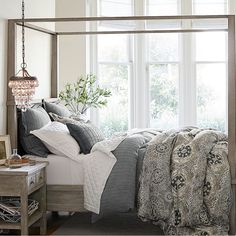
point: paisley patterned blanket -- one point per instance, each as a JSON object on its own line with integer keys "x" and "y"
{"x": 185, "y": 184}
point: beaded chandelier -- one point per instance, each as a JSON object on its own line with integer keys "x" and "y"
{"x": 22, "y": 84}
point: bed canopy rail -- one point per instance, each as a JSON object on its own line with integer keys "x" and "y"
{"x": 124, "y": 18}
{"x": 230, "y": 29}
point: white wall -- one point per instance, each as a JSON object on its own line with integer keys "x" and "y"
{"x": 72, "y": 58}
{"x": 10, "y": 9}
{"x": 38, "y": 59}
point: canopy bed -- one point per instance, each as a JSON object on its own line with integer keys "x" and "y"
{"x": 72, "y": 192}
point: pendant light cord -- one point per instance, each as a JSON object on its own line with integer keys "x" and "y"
{"x": 23, "y": 65}
{"x": 22, "y": 84}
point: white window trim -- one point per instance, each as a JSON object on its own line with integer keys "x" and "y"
{"x": 92, "y": 10}
{"x": 232, "y": 7}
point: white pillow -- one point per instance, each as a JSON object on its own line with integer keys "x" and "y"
{"x": 56, "y": 137}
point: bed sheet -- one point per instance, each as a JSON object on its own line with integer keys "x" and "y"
{"x": 62, "y": 170}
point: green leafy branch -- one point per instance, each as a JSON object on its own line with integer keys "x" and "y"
{"x": 83, "y": 94}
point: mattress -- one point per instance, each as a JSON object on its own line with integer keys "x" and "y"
{"x": 62, "y": 170}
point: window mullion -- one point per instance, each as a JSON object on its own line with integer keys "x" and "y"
{"x": 186, "y": 7}
{"x": 93, "y": 56}
{"x": 187, "y": 83}
{"x": 140, "y": 88}
{"x": 191, "y": 83}
{"x": 132, "y": 81}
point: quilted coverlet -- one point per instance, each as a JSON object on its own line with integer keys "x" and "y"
{"x": 185, "y": 183}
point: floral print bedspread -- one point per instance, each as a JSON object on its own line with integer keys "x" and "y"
{"x": 185, "y": 184}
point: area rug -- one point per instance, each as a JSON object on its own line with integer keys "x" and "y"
{"x": 120, "y": 224}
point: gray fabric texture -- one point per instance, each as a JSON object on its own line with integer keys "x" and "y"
{"x": 64, "y": 120}
{"x": 32, "y": 119}
{"x": 58, "y": 109}
{"x": 86, "y": 134}
{"x": 141, "y": 155}
{"x": 120, "y": 190}
{"x": 185, "y": 184}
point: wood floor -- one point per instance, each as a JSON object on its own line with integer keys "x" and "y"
{"x": 115, "y": 224}
{"x": 80, "y": 224}
{"x": 54, "y": 221}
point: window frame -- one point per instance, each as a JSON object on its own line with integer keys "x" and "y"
{"x": 139, "y": 82}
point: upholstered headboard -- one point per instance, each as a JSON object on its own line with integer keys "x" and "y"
{"x": 23, "y": 124}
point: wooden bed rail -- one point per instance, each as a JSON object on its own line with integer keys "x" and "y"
{"x": 123, "y": 18}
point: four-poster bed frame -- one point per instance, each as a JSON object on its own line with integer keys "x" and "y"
{"x": 74, "y": 194}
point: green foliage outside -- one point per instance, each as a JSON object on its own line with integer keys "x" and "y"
{"x": 216, "y": 123}
{"x": 163, "y": 92}
{"x": 204, "y": 99}
{"x": 114, "y": 117}
{"x": 164, "y": 99}
{"x": 114, "y": 125}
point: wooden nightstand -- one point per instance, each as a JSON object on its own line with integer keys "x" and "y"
{"x": 25, "y": 182}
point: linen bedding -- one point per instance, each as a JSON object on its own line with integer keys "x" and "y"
{"x": 62, "y": 170}
{"x": 117, "y": 159}
{"x": 119, "y": 192}
{"x": 184, "y": 185}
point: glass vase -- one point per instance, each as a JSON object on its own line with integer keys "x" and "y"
{"x": 15, "y": 160}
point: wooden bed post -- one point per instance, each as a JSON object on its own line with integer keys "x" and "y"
{"x": 54, "y": 68}
{"x": 12, "y": 112}
{"x": 11, "y": 65}
{"x": 232, "y": 116}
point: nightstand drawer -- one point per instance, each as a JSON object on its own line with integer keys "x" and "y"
{"x": 39, "y": 177}
{"x": 35, "y": 179}
{"x": 31, "y": 182}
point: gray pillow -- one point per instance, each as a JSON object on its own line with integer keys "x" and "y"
{"x": 58, "y": 109}
{"x": 86, "y": 134}
{"x": 32, "y": 119}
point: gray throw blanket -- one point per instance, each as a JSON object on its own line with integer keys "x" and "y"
{"x": 185, "y": 183}
{"x": 120, "y": 191}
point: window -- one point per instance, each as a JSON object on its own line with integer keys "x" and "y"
{"x": 163, "y": 77}
{"x": 114, "y": 73}
{"x": 211, "y": 95}
{"x": 162, "y": 7}
{"x": 162, "y": 80}
{"x": 211, "y": 80}
{"x": 206, "y": 7}
{"x": 115, "y": 7}
{"x": 210, "y": 68}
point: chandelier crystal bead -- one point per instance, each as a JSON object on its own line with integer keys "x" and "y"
{"x": 22, "y": 84}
